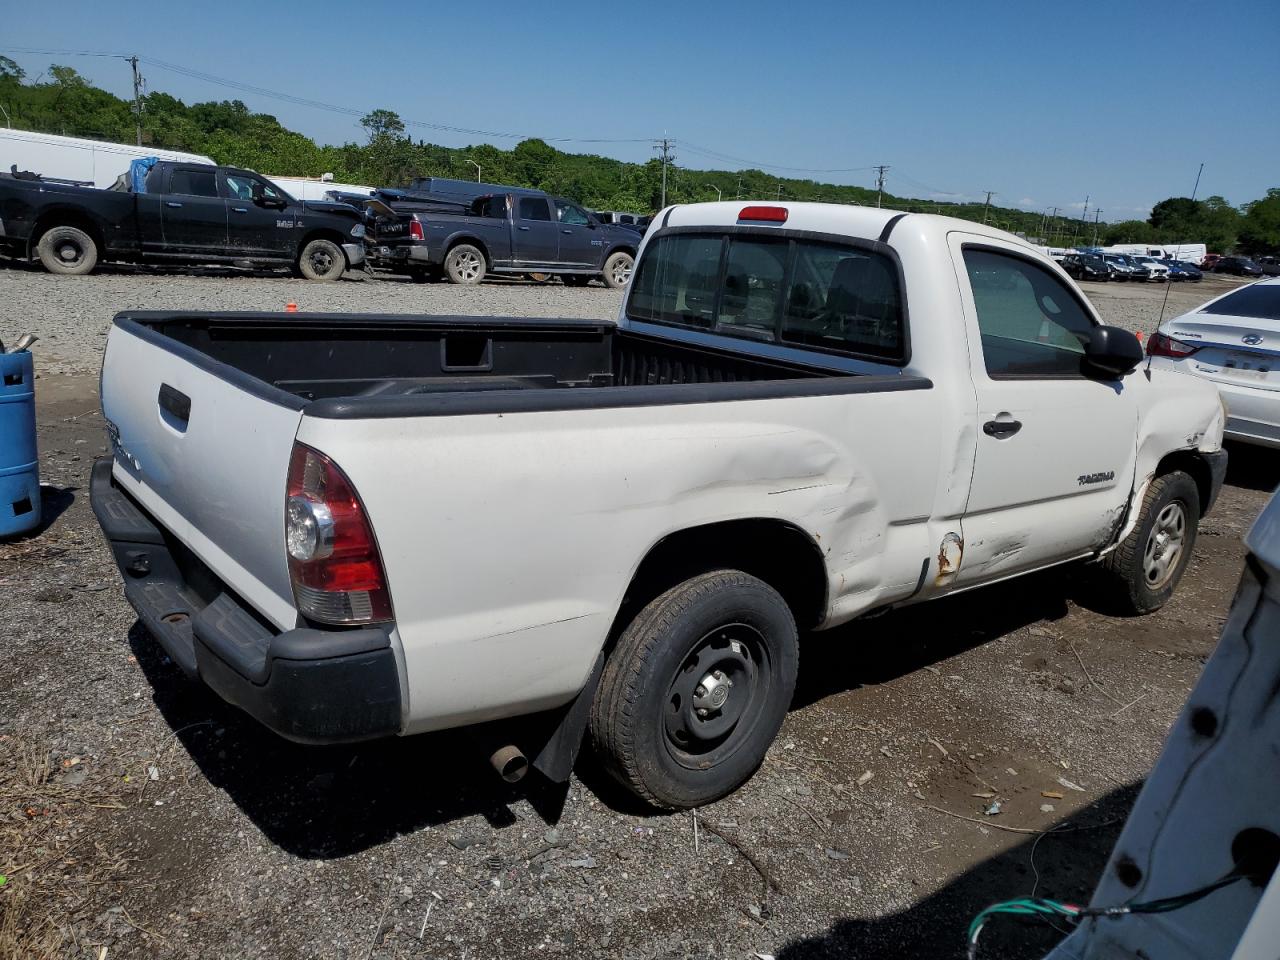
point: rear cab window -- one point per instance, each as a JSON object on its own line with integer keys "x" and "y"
{"x": 819, "y": 294}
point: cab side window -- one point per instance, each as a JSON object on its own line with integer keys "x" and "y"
{"x": 534, "y": 208}
{"x": 194, "y": 183}
{"x": 568, "y": 213}
{"x": 1031, "y": 324}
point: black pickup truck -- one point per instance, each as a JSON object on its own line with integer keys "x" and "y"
{"x": 517, "y": 232}
{"x": 189, "y": 212}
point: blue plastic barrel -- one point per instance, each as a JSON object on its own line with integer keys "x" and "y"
{"x": 19, "y": 466}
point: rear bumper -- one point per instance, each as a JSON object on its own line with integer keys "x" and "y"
{"x": 308, "y": 685}
{"x": 1253, "y": 415}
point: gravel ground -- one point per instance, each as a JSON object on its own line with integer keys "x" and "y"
{"x": 140, "y": 814}
{"x": 73, "y": 314}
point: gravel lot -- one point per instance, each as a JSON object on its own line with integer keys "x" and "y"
{"x": 73, "y": 314}
{"x": 141, "y": 814}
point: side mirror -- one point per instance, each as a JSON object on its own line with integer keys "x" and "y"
{"x": 592, "y": 223}
{"x": 1112, "y": 352}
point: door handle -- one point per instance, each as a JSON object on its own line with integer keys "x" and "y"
{"x": 175, "y": 403}
{"x": 240, "y": 209}
{"x": 172, "y": 203}
{"x": 522, "y": 228}
{"x": 566, "y": 231}
{"x": 1001, "y": 429}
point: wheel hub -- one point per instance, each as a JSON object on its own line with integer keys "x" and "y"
{"x": 711, "y": 693}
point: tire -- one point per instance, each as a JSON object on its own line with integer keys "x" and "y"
{"x": 724, "y": 627}
{"x": 617, "y": 270}
{"x": 322, "y": 260}
{"x": 575, "y": 279}
{"x": 67, "y": 251}
{"x": 465, "y": 264}
{"x": 540, "y": 278}
{"x": 1140, "y": 575}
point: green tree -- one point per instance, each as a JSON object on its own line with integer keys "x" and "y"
{"x": 1260, "y": 226}
{"x": 382, "y": 123}
{"x": 1129, "y": 231}
{"x": 10, "y": 70}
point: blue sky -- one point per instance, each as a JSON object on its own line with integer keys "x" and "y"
{"x": 1042, "y": 102}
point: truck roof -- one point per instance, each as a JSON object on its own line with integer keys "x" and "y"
{"x": 834, "y": 218}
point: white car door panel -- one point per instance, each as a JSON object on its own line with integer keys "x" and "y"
{"x": 1055, "y": 457}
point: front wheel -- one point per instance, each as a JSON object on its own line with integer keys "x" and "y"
{"x": 696, "y": 690}
{"x": 68, "y": 251}
{"x": 322, "y": 260}
{"x": 465, "y": 264}
{"x": 1140, "y": 575}
{"x": 617, "y": 270}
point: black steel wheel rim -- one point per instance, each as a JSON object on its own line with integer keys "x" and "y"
{"x": 731, "y": 661}
{"x": 70, "y": 252}
{"x": 321, "y": 260}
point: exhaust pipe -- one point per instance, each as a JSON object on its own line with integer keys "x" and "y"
{"x": 510, "y": 763}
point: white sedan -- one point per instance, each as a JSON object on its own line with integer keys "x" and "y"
{"x": 1234, "y": 341}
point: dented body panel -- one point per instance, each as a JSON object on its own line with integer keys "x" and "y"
{"x": 512, "y": 529}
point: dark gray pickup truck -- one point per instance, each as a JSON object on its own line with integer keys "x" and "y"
{"x": 521, "y": 231}
{"x": 189, "y": 212}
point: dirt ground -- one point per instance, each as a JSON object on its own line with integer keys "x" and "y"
{"x": 142, "y": 817}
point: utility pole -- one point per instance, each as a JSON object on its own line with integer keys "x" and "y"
{"x": 1084, "y": 216}
{"x": 1096, "y": 214}
{"x": 719, "y": 195}
{"x": 738, "y": 196}
{"x": 1053, "y": 226}
{"x": 880, "y": 169}
{"x": 987, "y": 206}
{"x": 779, "y": 192}
{"x": 665, "y": 146}
{"x": 137, "y": 97}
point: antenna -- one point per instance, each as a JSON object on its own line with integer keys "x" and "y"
{"x": 1169, "y": 283}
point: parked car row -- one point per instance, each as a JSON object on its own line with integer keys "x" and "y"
{"x": 1121, "y": 267}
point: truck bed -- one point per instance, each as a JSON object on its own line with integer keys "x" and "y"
{"x": 349, "y": 366}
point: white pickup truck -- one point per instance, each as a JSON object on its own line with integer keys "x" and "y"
{"x": 354, "y": 526}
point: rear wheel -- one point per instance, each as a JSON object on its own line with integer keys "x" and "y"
{"x": 322, "y": 260}
{"x": 68, "y": 251}
{"x": 696, "y": 690}
{"x": 617, "y": 270}
{"x": 465, "y": 264}
{"x": 1140, "y": 575}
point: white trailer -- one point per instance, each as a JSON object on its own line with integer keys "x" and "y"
{"x": 1190, "y": 252}
{"x": 315, "y": 188}
{"x": 71, "y": 158}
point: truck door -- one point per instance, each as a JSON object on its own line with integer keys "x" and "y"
{"x": 534, "y": 233}
{"x": 580, "y": 240}
{"x": 193, "y": 214}
{"x": 252, "y": 228}
{"x": 1055, "y": 448}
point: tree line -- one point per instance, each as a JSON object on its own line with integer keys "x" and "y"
{"x": 62, "y": 101}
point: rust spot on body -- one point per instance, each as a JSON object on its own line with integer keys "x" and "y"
{"x": 950, "y": 555}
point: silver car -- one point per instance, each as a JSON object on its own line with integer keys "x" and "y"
{"x": 1234, "y": 341}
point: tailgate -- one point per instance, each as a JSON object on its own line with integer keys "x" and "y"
{"x": 206, "y": 457}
